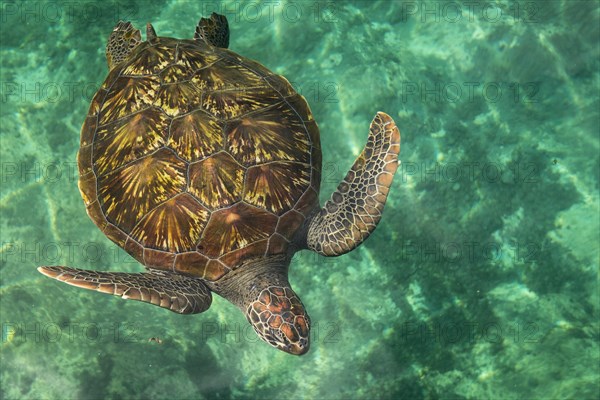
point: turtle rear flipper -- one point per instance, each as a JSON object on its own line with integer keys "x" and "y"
{"x": 213, "y": 30}
{"x": 123, "y": 39}
{"x": 178, "y": 293}
{"x": 355, "y": 208}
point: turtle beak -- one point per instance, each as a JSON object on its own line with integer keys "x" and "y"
{"x": 298, "y": 348}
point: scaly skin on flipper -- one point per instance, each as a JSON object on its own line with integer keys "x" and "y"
{"x": 355, "y": 208}
{"x": 178, "y": 293}
{"x": 121, "y": 43}
{"x": 213, "y": 30}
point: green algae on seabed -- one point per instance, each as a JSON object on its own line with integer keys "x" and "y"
{"x": 482, "y": 284}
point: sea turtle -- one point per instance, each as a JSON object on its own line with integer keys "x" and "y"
{"x": 205, "y": 167}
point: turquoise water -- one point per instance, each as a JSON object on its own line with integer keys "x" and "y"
{"x": 481, "y": 281}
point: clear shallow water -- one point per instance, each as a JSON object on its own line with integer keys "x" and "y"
{"x": 480, "y": 282}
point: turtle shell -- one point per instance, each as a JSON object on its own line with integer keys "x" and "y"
{"x": 194, "y": 158}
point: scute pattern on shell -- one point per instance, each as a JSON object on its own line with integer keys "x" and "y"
{"x": 194, "y": 158}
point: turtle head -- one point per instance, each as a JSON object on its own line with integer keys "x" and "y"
{"x": 279, "y": 318}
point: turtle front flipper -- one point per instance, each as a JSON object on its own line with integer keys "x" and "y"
{"x": 213, "y": 30}
{"x": 178, "y": 293}
{"x": 121, "y": 42}
{"x": 355, "y": 208}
